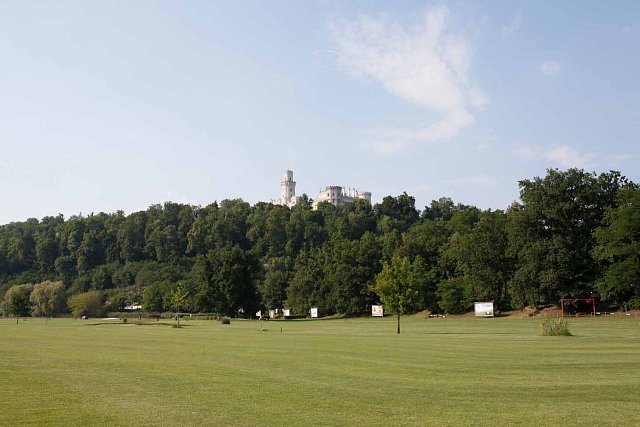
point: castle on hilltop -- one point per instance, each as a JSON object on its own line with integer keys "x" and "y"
{"x": 334, "y": 194}
{"x": 287, "y": 190}
{"x": 337, "y": 196}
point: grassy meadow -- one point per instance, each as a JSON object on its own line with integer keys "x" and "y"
{"x": 453, "y": 371}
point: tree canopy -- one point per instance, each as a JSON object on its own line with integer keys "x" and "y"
{"x": 572, "y": 233}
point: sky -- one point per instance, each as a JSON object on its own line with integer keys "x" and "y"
{"x": 117, "y": 105}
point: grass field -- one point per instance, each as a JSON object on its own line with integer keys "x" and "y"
{"x": 321, "y": 372}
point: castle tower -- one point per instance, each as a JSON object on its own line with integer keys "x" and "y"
{"x": 366, "y": 195}
{"x": 287, "y": 189}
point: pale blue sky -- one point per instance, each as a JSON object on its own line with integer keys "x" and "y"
{"x": 118, "y": 105}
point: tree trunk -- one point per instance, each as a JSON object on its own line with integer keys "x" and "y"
{"x": 398, "y": 324}
{"x": 178, "y": 318}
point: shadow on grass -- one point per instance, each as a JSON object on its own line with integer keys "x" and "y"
{"x": 135, "y": 324}
{"x": 467, "y": 333}
{"x": 313, "y": 319}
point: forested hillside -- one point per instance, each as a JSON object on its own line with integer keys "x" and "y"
{"x": 573, "y": 233}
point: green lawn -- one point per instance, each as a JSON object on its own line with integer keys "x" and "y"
{"x": 321, "y": 372}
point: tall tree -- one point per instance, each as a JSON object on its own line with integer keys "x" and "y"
{"x": 551, "y": 233}
{"x": 273, "y": 288}
{"x": 86, "y": 304}
{"x": 398, "y": 286}
{"x": 225, "y": 281}
{"x": 16, "y": 300}
{"x": 618, "y": 248}
{"x": 397, "y": 213}
{"x": 131, "y": 237}
{"x": 349, "y": 272}
{"x": 47, "y": 298}
{"x": 179, "y": 301}
{"x": 481, "y": 255}
{"x": 307, "y": 287}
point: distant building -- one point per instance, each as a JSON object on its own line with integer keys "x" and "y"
{"x": 338, "y": 196}
{"x": 287, "y": 190}
{"x": 334, "y": 194}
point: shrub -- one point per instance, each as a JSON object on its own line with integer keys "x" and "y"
{"x": 554, "y": 327}
{"x": 634, "y": 303}
{"x": 16, "y": 300}
{"x": 225, "y": 321}
{"x": 86, "y": 304}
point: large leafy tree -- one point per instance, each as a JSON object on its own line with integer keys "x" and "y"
{"x": 16, "y": 300}
{"x": 131, "y": 237}
{"x": 307, "y": 287}
{"x": 398, "y": 286}
{"x": 482, "y": 257}
{"x": 20, "y": 245}
{"x": 397, "y": 213}
{"x": 86, "y": 304}
{"x": 226, "y": 281}
{"x": 427, "y": 239}
{"x": 47, "y": 246}
{"x": 152, "y": 299}
{"x": 273, "y": 289}
{"x": 551, "y": 233}
{"x": 349, "y": 272}
{"x": 47, "y": 298}
{"x": 618, "y": 247}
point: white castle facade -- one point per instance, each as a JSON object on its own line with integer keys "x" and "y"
{"x": 287, "y": 190}
{"x": 334, "y": 194}
{"x": 338, "y": 196}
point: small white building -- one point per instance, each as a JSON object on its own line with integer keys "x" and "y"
{"x": 338, "y": 196}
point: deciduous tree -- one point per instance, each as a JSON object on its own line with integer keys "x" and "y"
{"x": 86, "y": 304}
{"x": 618, "y": 247}
{"x": 398, "y": 287}
{"x": 16, "y": 300}
{"x": 47, "y": 298}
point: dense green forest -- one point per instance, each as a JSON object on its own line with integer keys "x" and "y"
{"x": 573, "y": 233}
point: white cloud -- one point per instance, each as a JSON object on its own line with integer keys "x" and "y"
{"x": 514, "y": 25}
{"x": 550, "y": 68}
{"x": 561, "y": 156}
{"x": 566, "y": 157}
{"x": 427, "y": 65}
{"x": 615, "y": 161}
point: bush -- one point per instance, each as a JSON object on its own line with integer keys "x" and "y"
{"x": 451, "y": 296}
{"x": 634, "y": 303}
{"x": 225, "y": 321}
{"x": 86, "y": 304}
{"x": 555, "y": 327}
{"x": 16, "y": 300}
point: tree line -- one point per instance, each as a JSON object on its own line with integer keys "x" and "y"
{"x": 572, "y": 234}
